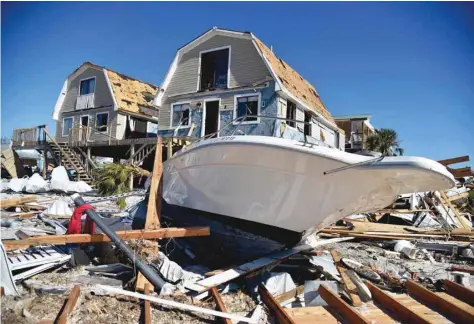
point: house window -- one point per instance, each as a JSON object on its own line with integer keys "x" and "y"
{"x": 67, "y": 125}
{"x": 290, "y": 113}
{"x": 87, "y": 86}
{"x": 247, "y": 105}
{"x": 101, "y": 122}
{"x": 307, "y": 123}
{"x": 180, "y": 115}
{"x": 214, "y": 70}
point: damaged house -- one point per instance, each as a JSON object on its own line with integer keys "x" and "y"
{"x": 97, "y": 103}
{"x": 227, "y": 82}
{"x": 357, "y": 129}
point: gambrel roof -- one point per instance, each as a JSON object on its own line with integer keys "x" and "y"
{"x": 288, "y": 81}
{"x": 129, "y": 94}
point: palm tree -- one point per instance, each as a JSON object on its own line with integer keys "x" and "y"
{"x": 385, "y": 141}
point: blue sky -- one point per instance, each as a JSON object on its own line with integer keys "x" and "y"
{"x": 411, "y": 65}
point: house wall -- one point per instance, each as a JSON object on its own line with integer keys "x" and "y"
{"x": 246, "y": 68}
{"x": 268, "y": 106}
{"x": 103, "y": 102}
{"x": 102, "y": 95}
{"x": 112, "y": 128}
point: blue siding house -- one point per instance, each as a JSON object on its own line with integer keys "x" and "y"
{"x": 227, "y": 82}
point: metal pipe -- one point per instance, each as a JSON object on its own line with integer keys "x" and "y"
{"x": 147, "y": 271}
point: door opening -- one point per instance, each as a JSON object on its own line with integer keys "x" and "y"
{"x": 83, "y": 128}
{"x": 85, "y": 121}
{"x": 211, "y": 122}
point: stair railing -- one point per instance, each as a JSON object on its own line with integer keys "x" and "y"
{"x": 63, "y": 153}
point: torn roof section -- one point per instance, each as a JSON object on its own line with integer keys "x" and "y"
{"x": 129, "y": 94}
{"x": 294, "y": 82}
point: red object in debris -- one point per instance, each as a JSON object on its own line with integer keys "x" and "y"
{"x": 462, "y": 268}
{"x": 74, "y": 226}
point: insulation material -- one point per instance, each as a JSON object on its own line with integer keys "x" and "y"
{"x": 131, "y": 94}
{"x": 295, "y": 83}
{"x": 279, "y": 283}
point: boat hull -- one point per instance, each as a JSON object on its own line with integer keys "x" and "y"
{"x": 286, "y": 184}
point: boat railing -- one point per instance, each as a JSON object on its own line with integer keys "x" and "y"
{"x": 239, "y": 121}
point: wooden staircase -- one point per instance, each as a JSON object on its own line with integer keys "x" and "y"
{"x": 141, "y": 154}
{"x": 71, "y": 161}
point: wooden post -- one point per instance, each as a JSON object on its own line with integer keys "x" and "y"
{"x": 459, "y": 292}
{"x": 220, "y": 306}
{"x": 69, "y": 307}
{"x": 45, "y": 163}
{"x": 132, "y": 153}
{"x": 154, "y": 203}
{"x": 169, "y": 152}
{"x": 339, "y": 306}
{"x": 147, "y": 306}
{"x": 274, "y": 306}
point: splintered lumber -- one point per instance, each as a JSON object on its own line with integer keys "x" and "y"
{"x": 152, "y": 220}
{"x": 250, "y": 267}
{"x": 147, "y": 306}
{"x": 6, "y": 203}
{"x": 154, "y": 199}
{"x": 290, "y": 294}
{"x": 460, "y": 292}
{"x": 349, "y": 286}
{"x": 458, "y": 159}
{"x": 403, "y": 313}
{"x": 173, "y": 304}
{"x": 341, "y": 307}
{"x": 69, "y": 307}
{"x": 101, "y": 237}
{"x": 220, "y": 304}
{"x": 443, "y": 305}
{"x": 458, "y": 196}
{"x": 267, "y": 298}
{"x": 454, "y": 209}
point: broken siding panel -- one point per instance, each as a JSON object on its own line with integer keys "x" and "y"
{"x": 102, "y": 95}
{"x": 120, "y": 127}
{"x": 315, "y": 129}
{"x": 246, "y": 66}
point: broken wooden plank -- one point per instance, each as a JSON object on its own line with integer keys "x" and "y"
{"x": 460, "y": 292}
{"x": 152, "y": 220}
{"x": 290, "y": 294}
{"x": 455, "y": 211}
{"x": 341, "y": 307}
{"x": 220, "y": 304}
{"x": 6, "y": 203}
{"x": 173, "y": 304}
{"x": 147, "y": 306}
{"x": 100, "y": 237}
{"x": 454, "y": 160}
{"x": 349, "y": 286}
{"x": 403, "y": 313}
{"x": 444, "y": 306}
{"x": 255, "y": 265}
{"x": 69, "y": 307}
{"x": 458, "y": 196}
{"x": 274, "y": 306}
{"x": 461, "y": 172}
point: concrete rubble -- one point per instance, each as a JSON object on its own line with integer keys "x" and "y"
{"x": 420, "y": 240}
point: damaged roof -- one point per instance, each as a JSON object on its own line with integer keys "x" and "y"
{"x": 294, "y": 82}
{"x": 131, "y": 93}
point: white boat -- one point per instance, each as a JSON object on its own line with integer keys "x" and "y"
{"x": 291, "y": 185}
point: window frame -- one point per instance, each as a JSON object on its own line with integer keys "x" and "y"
{"x": 259, "y": 102}
{"x": 172, "y": 110}
{"x": 107, "y": 124}
{"x": 62, "y": 128}
{"x": 228, "y": 65}
{"x": 85, "y": 79}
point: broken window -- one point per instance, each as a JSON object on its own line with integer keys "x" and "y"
{"x": 247, "y": 105}
{"x": 214, "y": 70}
{"x": 290, "y": 113}
{"x": 67, "y": 125}
{"x": 307, "y": 123}
{"x": 101, "y": 122}
{"x": 180, "y": 115}
{"x": 87, "y": 86}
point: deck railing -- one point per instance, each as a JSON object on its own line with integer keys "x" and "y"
{"x": 33, "y": 136}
